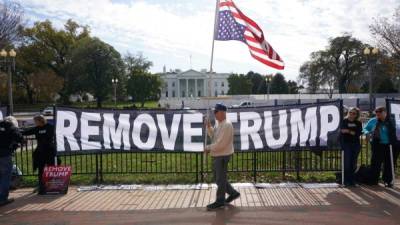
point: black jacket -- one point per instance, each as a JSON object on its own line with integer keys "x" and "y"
{"x": 10, "y": 137}
{"x": 45, "y": 152}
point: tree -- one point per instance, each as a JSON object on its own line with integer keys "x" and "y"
{"x": 310, "y": 76}
{"x": 239, "y": 84}
{"x": 292, "y": 87}
{"x": 144, "y": 87}
{"x": 279, "y": 84}
{"x": 53, "y": 49}
{"x": 95, "y": 64}
{"x": 387, "y": 33}
{"x": 141, "y": 85}
{"x": 11, "y": 19}
{"x": 346, "y": 60}
{"x": 136, "y": 64}
{"x": 259, "y": 84}
{"x": 341, "y": 65}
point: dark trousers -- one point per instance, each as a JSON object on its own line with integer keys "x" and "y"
{"x": 381, "y": 154}
{"x": 5, "y": 177}
{"x": 220, "y": 167}
{"x": 351, "y": 151}
{"x": 41, "y": 185}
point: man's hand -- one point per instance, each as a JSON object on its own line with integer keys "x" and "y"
{"x": 207, "y": 150}
{"x": 207, "y": 123}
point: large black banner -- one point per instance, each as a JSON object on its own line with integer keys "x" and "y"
{"x": 3, "y": 112}
{"x": 294, "y": 127}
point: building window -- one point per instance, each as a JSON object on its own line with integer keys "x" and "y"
{"x": 222, "y": 92}
{"x": 216, "y": 93}
{"x": 216, "y": 84}
{"x": 166, "y": 94}
{"x": 173, "y": 94}
{"x": 199, "y": 94}
{"x": 183, "y": 94}
{"x": 173, "y": 84}
{"x": 222, "y": 84}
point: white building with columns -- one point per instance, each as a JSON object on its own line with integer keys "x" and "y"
{"x": 192, "y": 83}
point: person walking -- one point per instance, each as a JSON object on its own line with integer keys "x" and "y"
{"x": 10, "y": 137}
{"x": 351, "y": 130}
{"x": 45, "y": 151}
{"x": 383, "y": 134}
{"x": 221, "y": 150}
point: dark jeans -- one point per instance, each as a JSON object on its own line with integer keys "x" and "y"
{"x": 5, "y": 177}
{"x": 41, "y": 185}
{"x": 351, "y": 151}
{"x": 381, "y": 154}
{"x": 220, "y": 166}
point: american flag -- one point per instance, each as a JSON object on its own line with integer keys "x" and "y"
{"x": 232, "y": 24}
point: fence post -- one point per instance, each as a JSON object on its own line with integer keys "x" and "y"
{"x": 101, "y": 167}
{"x": 298, "y": 165}
{"x": 284, "y": 165}
{"x": 254, "y": 166}
{"x": 202, "y": 167}
{"x": 97, "y": 168}
{"x": 197, "y": 168}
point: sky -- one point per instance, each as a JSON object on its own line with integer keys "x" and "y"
{"x": 178, "y": 33}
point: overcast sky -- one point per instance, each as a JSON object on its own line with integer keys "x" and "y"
{"x": 168, "y": 32}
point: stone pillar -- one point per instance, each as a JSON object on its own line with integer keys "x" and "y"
{"x": 178, "y": 88}
{"x": 195, "y": 88}
{"x": 205, "y": 83}
{"x": 187, "y": 88}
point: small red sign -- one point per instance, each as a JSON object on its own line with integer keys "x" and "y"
{"x": 56, "y": 179}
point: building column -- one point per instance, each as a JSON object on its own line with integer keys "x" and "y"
{"x": 177, "y": 86}
{"x": 187, "y": 88}
{"x": 195, "y": 88}
{"x": 205, "y": 83}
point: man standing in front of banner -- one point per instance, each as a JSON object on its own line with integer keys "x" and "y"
{"x": 221, "y": 150}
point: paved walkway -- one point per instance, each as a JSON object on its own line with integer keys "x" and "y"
{"x": 270, "y": 205}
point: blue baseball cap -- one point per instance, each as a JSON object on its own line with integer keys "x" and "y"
{"x": 220, "y": 107}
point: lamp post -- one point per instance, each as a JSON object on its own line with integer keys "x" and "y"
{"x": 398, "y": 84}
{"x": 370, "y": 54}
{"x": 8, "y": 63}
{"x": 115, "y": 83}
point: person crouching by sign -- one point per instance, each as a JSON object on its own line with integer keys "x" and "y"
{"x": 221, "y": 150}
{"x": 383, "y": 134}
{"x": 351, "y": 130}
{"x": 45, "y": 151}
{"x": 10, "y": 137}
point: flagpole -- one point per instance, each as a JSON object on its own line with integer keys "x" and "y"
{"x": 213, "y": 39}
{"x": 205, "y": 161}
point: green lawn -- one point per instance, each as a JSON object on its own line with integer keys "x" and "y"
{"x": 180, "y": 168}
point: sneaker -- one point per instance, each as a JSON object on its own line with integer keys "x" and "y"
{"x": 214, "y": 206}
{"x": 389, "y": 185}
{"x": 232, "y": 197}
{"x": 6, "y": 202}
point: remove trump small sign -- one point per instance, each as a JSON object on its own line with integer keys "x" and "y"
{"x": 56, "y": 179}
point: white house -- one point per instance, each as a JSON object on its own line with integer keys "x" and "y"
{"x": 193, "y": 83}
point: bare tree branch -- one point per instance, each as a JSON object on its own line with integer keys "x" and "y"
{"x": 11, "y": 17}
